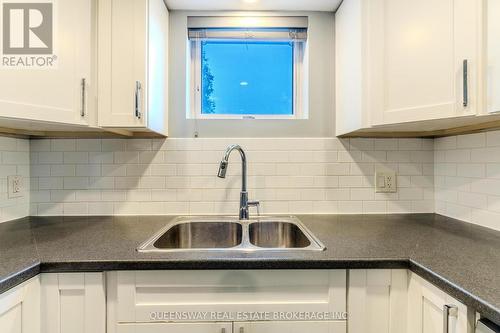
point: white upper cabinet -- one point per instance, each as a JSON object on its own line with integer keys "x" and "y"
{"x": 401, "y": 61}
{"x": 133, "y": 65}
{"x": 31, "y": 88}
{"x": 493, "y": 56}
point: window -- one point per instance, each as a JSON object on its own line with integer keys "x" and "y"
{"x": 238, "y": 73}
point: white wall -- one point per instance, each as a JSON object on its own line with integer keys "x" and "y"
{"x": 14, "y": 160}
{"x": 178, "y": 176}
{"x": 467, "y": 169}
{"x": 321, "y": 43}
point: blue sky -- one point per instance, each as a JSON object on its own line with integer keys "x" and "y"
{"x": 251, "y": 77}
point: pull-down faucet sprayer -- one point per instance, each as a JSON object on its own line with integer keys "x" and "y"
{"x": 244, "y": 203}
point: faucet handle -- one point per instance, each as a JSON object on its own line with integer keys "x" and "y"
{"x": 255, "y": 204}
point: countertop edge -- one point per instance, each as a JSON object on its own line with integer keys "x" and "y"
{"x": 486, "y": 309}
{"x": 19, "y": 277}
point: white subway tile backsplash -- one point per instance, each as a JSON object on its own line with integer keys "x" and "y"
{"x": 467, "y": 186}
{"x": 398, "y": 156}
{"x": 75, "y": 209}
{"x": 411, "y": 194}
{"x": 101, "y": 183}
{"x": 362, "y": 194}
{"x": 445, "y": 143}
{"x": 486, "y": 186}
{"x": 178, "y": 176}
{"x": 89, "y": 145}
{"x": 126, "y": 157}
{"x": 114, "y": 196}
{"x": 63, "y": 145}
{"x": 76, "y": 157}
{"x": 350, "y": 156}
{"x": 473, "y": 200}
{"x": 50, "y": 158}
{"x": 471, "y": 170}
{"x": 471, "y": 140}
{"x": 101, "y": 157}
{"x": 62, "y": 196}
{"x": 386, "y": 144}
{"x": 362, "y": 144}
{"x": 88, "y": 170}
{"x": 457, "y": 156}
{"x": 374, "y": 207}
{"x": 410, "y": 169}
{"x": 75, "y": 183}
{"x": 163, "y": 169}
{"x": 486, "y": 155}
{"x": 351, "y": 181}
{"x": 61, "y": 170}
{"x": 100, "y": 208}
{"x": 36, "y": 145}
{"x": 410, "y": 144}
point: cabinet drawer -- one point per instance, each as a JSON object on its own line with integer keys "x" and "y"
{"x": 176, "y": 328}
{"x": 291, "y": 327}
{"x": 138, "y": 295}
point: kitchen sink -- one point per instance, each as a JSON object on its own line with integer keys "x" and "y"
{"x": 186, "y": 234}
{"x": 277, "y": 235}
{"x": 200, "y": 235}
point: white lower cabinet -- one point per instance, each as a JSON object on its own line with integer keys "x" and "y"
{"x": 139, "y": 301}
{"x": 377, "y": 300}
{"x": 431, "y": 310}
{"x": 73, "y": 303}
{"x": 20, "y": 308}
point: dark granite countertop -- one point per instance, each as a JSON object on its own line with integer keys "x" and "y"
{"x": 460, "y": 258}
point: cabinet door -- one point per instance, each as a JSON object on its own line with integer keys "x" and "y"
{"x": 291, "y": 327}
{"x": 493, "y": 56}
{"x": 416, "y": 54}
{"x": 377, "y": 300}
{"x": 55, "y": 94}
{"x": 73, "y": 303}
{"x": 427, "y": 309}
{"x": 175, "y": 328}
{"x": 20, "y": 308}
{"x": 123, "y": 26}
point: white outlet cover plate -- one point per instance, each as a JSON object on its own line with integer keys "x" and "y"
{"x": 15, "y": 186}
{"x": 385, "y": 182}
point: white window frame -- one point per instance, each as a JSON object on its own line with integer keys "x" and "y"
{"x": 299, "y": 110}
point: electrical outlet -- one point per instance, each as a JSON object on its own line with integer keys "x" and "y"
{"x": 15, "y": 186}
{"x": 385, "y": 182}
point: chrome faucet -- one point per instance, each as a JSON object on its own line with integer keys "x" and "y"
{"x": 244, "y": 203}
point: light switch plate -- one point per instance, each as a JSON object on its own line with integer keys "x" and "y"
{"x": 15, "y": 186}
{"x": 385, "y": 182}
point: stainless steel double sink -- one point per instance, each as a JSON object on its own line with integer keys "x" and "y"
{"x": 186, "y": 234}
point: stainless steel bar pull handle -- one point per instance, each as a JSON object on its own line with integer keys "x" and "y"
{"x": 84, "y": 106}
{"x": 466, "y": 82}
{"x": 448, "y": 310}
{"x": 138, "y": 87}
